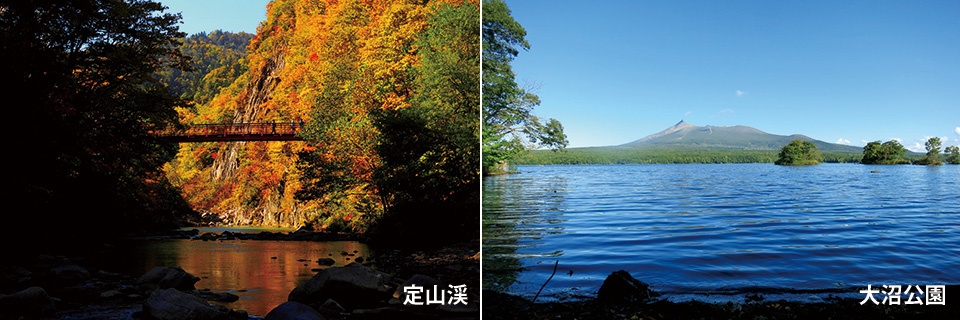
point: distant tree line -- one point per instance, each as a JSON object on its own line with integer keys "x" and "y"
{"x": 664, "y": 156}
{"x": 877, "y": 152}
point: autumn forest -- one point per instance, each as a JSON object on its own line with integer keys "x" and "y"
{"x": 384, "y": 94}
{"x": 388, "y": 94}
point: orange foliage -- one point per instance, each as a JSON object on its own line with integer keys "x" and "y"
{"x": 342, "y": 60}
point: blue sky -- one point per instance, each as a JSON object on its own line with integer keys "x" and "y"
{"x": 227, "y": 15}
{"x": 849, "y": 71}
{"x": 615, "y": 71}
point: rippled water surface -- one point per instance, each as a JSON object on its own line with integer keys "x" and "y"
{"x": 713, "y": 227}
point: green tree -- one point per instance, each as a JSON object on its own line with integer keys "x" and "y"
{"x": 932, "y": 157}
{"x": 890, "y": 152}
{"x": 799, "y": 153}
{"x": 81, "y": 76}
{"x": 508, "y": 121}
{"x": 429, "y": 150}
{"x": 953, "y": 155}
{"x": 217, "y": 59}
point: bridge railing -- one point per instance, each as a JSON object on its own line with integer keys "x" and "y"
{"x": 234, "y": 129}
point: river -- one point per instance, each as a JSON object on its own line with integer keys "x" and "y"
{"x": 261, "y": 272}
{"x": 691, "y": 229}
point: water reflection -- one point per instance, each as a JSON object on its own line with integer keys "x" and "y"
{"x": 517, "y": 212}
{"x": 262, "y": 273}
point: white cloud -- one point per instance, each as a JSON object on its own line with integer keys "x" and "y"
{"x": 843, "y": 141}
{"x": 917, "y": 147}
{"x": 897, "y": 140}
{"x": 691, "y": 112}
{"x": 723, "y": 113}
{"x": 741, "y": 93}
{"x": 920, "y": 145}
{"x": 957, "y": 130}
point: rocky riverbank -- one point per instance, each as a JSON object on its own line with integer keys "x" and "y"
{"x": 623, "y": 297}
{"x": 299, "y": 235}
{"x": 45, "y": 286}
{"x": 41, "y": 286}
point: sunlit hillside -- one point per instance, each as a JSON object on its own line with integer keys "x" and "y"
{"x": 338, "y": 71}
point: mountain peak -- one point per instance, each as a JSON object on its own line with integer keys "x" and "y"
{"x": 675, "y": 128}
{"x": 688, "y": 136}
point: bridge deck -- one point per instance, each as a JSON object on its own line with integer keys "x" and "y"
{"x": 264, "y": 131}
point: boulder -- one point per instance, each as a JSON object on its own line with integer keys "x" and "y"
{"x": 331, "y": 310}
{"x": 224, "y": 297}
{"x": 69, "y": 274}
{"x": 208, "y": 295}
{"x": 326, "y": 261}
{"x": 172, "y": 304}
{"x": 620, "y": 287}
{"x": 207, "y": 236}
{"x": 169, "y": 277}
{"x": 353, "y": 285}
{"x": 238, "y": 314}
{"x": 292, "y": 310}
{"x": 29, "y": 302}
{"x": 110, "y": 294}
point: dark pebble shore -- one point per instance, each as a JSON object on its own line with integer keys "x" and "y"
{"x": 59, "y": 286}
{"x": 623, "y": 297}
{"x": 503, "y": 306}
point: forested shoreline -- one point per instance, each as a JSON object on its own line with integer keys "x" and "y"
{"x": 876, "y": 153}
{"x": 664, "y": 156}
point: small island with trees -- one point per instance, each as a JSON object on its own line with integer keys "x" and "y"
{"x": 799, "y": 153}
{"x": 892, "y": 152}
{"x": 804, "y": 153}
{"x": 932, "y": 158}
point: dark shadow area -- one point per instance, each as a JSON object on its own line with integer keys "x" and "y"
{"x": 504, "y": 306}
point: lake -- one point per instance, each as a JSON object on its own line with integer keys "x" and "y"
{"x": 703, "y": 231}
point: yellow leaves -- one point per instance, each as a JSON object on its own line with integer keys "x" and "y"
{"x": 342, "y": 61}
{"x": 392, "y": 101}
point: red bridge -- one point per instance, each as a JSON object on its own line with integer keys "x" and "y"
{"x": 265, "y": 131}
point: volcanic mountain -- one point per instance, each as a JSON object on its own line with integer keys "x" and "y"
{"x": 687, "y": 136}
